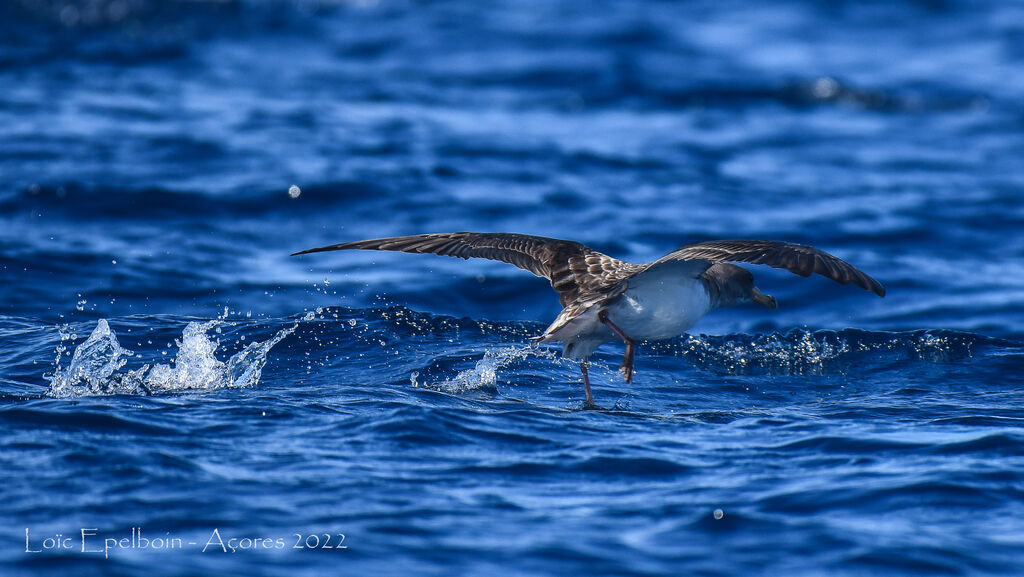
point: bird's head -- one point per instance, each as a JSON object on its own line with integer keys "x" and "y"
{"x": 732, "y": 285}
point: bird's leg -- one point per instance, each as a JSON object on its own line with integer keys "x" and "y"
{"x": 589, "y": 403}
{"x": 627, "y": 360}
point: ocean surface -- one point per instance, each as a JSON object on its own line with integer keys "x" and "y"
{"x": 178, "y": 395}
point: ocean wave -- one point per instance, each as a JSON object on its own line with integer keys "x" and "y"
{"x": 802, "y": 351}
{"x": 460, "y": 356}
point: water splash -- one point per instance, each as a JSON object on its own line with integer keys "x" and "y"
{"x": 92, "y": 364}
{"x": 485, "y": 373}
{"x": 96, "y": 366}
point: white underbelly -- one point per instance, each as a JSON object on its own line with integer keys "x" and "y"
{"x": 581, "y": 335}
{"x": 660, "y": 308}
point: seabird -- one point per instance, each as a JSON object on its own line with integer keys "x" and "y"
{"x": 605, "y": 299}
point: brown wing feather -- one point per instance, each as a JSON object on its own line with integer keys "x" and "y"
{"x": 574, "y": 270}
{"x": 796, "y": 258}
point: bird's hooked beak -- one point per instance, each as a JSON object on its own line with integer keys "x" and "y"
{"x": 763, "y": 299}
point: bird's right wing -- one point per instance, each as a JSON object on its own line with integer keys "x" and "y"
{"x": 573, "y": 269}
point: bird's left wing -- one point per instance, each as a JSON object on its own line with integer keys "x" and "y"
{"x": 796, "y": 258}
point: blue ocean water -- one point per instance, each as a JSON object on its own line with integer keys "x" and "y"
{"x": 179, "y": 396}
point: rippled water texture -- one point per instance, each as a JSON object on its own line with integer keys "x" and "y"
{"x": 169, "y": 375}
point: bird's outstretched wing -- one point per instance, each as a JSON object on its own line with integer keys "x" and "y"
{"x": 573, "y": 269}
{"x": 796, "y": 258}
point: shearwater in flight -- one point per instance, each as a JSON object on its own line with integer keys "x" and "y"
{"x": 605, "y": 299}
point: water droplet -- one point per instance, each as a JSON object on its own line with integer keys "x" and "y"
{"x": 719, "y": 514}
{"x": 825, "y": 88}
{"x": 294, "y": 191}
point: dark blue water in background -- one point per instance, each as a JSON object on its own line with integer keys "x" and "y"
{"x": 166, "y": 367}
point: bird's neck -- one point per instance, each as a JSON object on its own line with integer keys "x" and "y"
{"x": 714, "y": 289}
{"x": 727, "y": 285}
